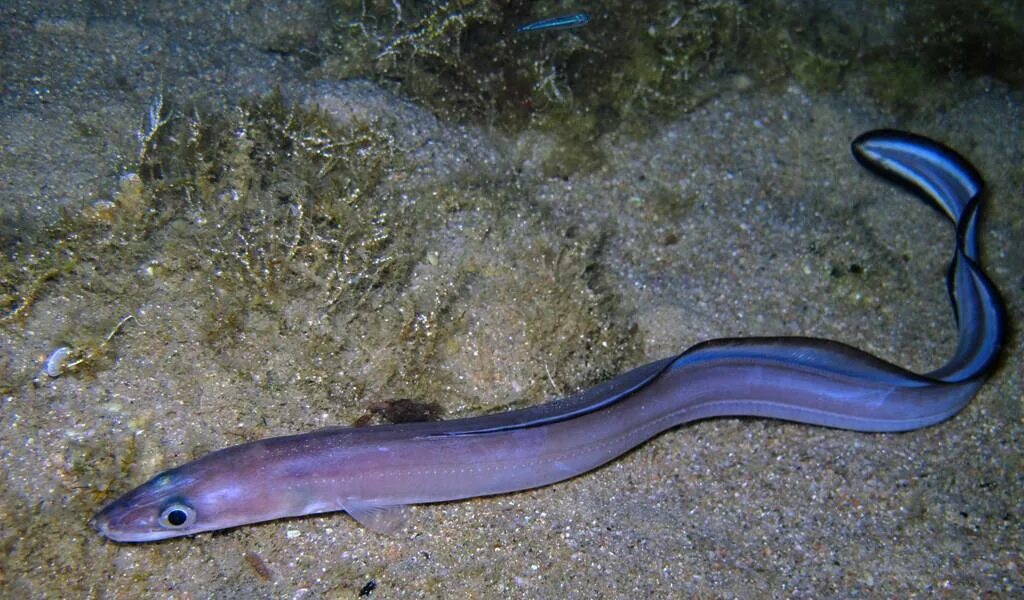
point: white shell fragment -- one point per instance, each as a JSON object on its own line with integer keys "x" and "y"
{"x": 55, "y": 363}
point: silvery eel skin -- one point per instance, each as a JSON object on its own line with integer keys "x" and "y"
{"x": 373, "y": 472}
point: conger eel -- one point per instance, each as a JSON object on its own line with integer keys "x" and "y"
{"x": 373, "y": 472}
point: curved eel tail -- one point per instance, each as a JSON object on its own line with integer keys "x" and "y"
{"x": 828, "y": 383}
{"x": 946, "y": 180}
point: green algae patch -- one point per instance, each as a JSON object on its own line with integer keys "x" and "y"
{"x": 466, "y": 60}
{"x": 308, "y": 265}
{"x": 313, "y": 268}
{"x": 273, "y": 202}
{"x": 633, "y": 62}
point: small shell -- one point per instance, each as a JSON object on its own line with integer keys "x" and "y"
{"x": 55, "y": 363}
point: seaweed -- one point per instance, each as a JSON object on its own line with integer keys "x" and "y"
{"x": 465, "y": 60}
{"x": 281, "y": 207}
{"x": 634, "y": 62}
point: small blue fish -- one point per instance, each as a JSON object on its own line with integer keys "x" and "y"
{"x": 563, "y": 22}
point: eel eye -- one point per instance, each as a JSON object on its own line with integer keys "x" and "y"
{"x": 177, "y": 516}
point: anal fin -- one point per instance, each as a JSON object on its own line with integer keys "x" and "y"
{"x": 384, "y": 519}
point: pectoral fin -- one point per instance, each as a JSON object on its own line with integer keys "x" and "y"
{"x": 386, "y": 519}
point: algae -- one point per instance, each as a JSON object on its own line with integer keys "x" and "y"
{"x": 276, "y": 221}
{"x": 640, "y": 61}
{"x": 465, "y": 60}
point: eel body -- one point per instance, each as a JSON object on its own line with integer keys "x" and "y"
{"x": 373, "y": 472}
